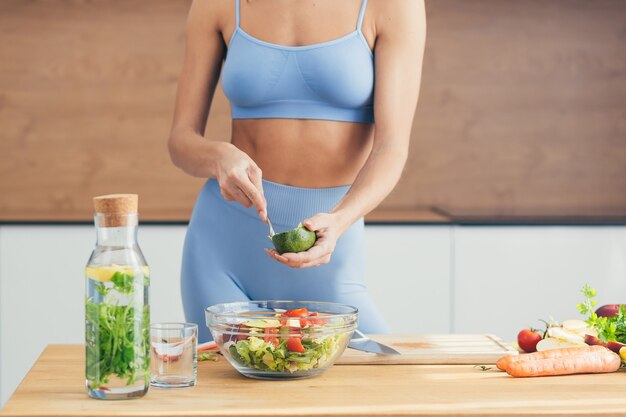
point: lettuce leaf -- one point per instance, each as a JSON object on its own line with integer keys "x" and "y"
{"x": 254, "y": 352}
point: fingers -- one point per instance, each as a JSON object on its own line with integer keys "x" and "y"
{"x": 255, "y": 175}
{"x": 246, "y": 188}
{"x": 315, "y": 222}
{"x": 314, "y": 262}
{"x": 317, "y": 262}
{"x": 316, "y": 252}
{"x": 235, "y": 194}
{"x": 275, "y": 255}
{"x": 319, "y": 254}
{"x": 226, "y": 194}
{"x": 306, "y": 264}
{"x": 253, "y": 194}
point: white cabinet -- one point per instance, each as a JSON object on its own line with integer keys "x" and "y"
{"x": 408, "y": 276}
{"x": 41, "y": 294}
{"x": 505, "y": 278}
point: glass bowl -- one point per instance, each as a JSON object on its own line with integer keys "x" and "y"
{"x": 281, "y": 339}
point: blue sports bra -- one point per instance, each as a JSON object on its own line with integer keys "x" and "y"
{"x": 331, "y": 80}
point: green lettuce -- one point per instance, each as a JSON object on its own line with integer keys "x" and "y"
{"x": 254, "y": 352}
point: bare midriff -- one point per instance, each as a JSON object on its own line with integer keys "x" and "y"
{"x": 305, "y": 153}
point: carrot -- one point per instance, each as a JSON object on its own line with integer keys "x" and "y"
{"x": 504, "y": 362}
{"x": 592, "y": 359}
{"x": 207, "y": 346}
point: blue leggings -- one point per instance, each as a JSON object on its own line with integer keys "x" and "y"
{"x": 223, "y": 257}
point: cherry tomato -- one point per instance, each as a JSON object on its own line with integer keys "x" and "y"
{"x": 294, "y": 344}
{"x": 300, "y": 312}
{"x": 527, "y": 340}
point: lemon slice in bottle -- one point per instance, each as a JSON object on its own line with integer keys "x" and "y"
{"x": 105, "y": 273}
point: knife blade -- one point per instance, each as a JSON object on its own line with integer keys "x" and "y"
{"x": 361, "y": 342}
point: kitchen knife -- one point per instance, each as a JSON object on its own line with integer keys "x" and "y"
{"x": 361, "y": 342}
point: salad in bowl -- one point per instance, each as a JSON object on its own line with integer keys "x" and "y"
{"x": 281, "y": 339}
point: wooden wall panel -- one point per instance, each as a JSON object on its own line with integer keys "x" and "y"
{"x": 87, "y": 97}
{"x": 522, "y": 110}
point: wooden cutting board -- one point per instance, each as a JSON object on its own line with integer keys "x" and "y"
{"x": 435, "y": 349}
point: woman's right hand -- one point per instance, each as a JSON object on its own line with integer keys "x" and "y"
{"x": 240, "y": 180}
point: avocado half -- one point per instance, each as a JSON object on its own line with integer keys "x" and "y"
{"x": 295, "y": 240}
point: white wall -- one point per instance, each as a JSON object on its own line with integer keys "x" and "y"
{"x": 424, "y": 279}
{"x": 408, "y": 275}
{"x": 506, "y": 278}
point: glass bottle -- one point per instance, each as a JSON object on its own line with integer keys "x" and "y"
{"x": 117, "y": 313}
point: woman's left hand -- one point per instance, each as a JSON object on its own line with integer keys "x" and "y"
{"x": 328, "y": 227}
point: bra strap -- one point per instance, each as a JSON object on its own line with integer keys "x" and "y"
{"x": 237, "y": 13}
{"x": 359, "y": 23}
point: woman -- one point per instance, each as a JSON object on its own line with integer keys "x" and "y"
{"x": 311, "y": 142}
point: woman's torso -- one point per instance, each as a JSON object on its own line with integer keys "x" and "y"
{"x": 301, "y": 152}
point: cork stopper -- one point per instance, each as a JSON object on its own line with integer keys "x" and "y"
{"x": 115, "y": 208}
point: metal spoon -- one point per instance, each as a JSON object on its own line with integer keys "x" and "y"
{"x": 272, "y": 232}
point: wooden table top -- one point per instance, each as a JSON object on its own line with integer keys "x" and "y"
{"x": 55, "y": 387}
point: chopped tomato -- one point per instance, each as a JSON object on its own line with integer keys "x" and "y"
{"x": 305, "y": 317}
{"x": 271, "y": 339}
{"x": 300, "y": 312}
{"x": 294, "y": 344}
{"x": 316, "y": 320}
{"x": 284, "y": 319}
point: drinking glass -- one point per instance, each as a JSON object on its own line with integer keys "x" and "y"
{"x": 173, "y": 354}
